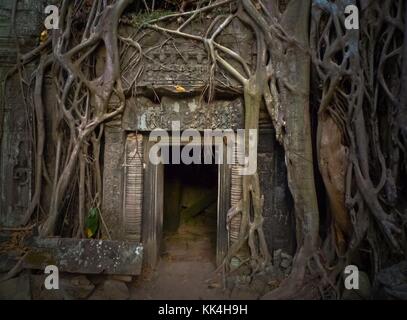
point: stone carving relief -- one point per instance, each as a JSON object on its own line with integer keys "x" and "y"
{"x": 175, "y": 61}
{"x": 143, "y": 115}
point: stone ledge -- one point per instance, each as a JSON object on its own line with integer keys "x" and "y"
{"x": 85, "y": 256}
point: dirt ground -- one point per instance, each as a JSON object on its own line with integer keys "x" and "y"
{"x": 186, "y": 269}
{"x": 186, "y": 265}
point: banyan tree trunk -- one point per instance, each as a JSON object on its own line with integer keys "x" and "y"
{"x": 292, "y": 65}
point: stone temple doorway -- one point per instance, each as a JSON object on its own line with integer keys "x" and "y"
{"x": 185, "y": 208}
{"x": 185, "y": 237}
{"x": 190, "y": 212}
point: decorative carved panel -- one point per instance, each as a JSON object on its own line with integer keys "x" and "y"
{"x": 143, "y": 115}
{"x": 133, "y": 187}
{"x": 170, "y": 61}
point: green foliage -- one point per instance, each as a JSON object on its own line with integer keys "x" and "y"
{"x": 92, "y": 222}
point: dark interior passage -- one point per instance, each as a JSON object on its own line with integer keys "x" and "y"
{"x": 190, "y": 212}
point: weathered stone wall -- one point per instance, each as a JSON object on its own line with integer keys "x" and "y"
{"x": 278, "y": 208}
{"x": 15, "y": 117}
{"x": 157, "y": 101}
{"x": 170, "y": 88}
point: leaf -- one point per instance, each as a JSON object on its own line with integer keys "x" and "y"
{"x": 89, "y": 233}
{"x": 92, "y": 222}
{"x": 43, "y": 36}
{"x": 179, "y": 88}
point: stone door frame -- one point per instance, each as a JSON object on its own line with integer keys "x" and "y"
{"x": 154, "y": 208}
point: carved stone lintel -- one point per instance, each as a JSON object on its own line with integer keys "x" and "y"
{"x": 143, "y": 115}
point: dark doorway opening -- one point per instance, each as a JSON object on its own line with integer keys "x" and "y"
{"x": 190, "y": 212}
